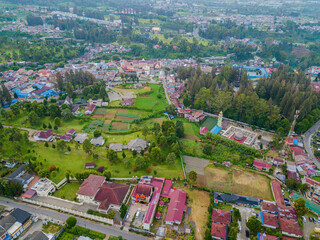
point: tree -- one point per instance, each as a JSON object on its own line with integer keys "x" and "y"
{"x": 156, "y": 128}
{"x": 156, "y": 154}
{"x": 300, "y": 207}
{"x": 123, "y": 155}
{"x": 193, "y": 176}
{"x": 141, "y": 162}
{"x": 61, "y": 145}
{"x": 57, "y": 121}
{"x": 171, "y": 158}
{"x": 96, "y": 133}
{"x": 236, "y": 214}
{"x": 112, "y": 155}
{"x": 71, "y": 222}
{"x": 254, "y": 225}
{"x": 123, "y": 210}
{"x": 179, "y": 129}
{"x": 87, "y": 147}
{"x": 33, "y": 119}
{"x": 171, "y": 109}
{"x": 145, "y": 131}
{"x": 67, "y": 115}
{"x": 176, "y": 149}
{"x": 207, "y": 149}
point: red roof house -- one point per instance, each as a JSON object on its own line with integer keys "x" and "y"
{"x": 261, "y": 165}
{"x": 310, "y": 182}
{"x": 90, "y": 109}
{"x": 176, "y": 207}
{"x": 127, "y": 102}
{"x": 43, "y": 135}
{"x": 290, "y": 227}
{"x": 203, "y": 131}
{"x": 141, "y": 193}
{"x": 277, "y": 193}
{"x": 218, "y": 231}
{"x": 111, "y": 194}
{"x": 166, "y": 188}
{"x": 221, "y": 216}
{"x": 267, "y": 237}
{"x": 269, "y": 220}
{"x": 269, "y": 207}
{"x": 90, "y": 187}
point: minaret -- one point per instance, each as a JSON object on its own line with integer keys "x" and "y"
{"x": 220, "y": 119}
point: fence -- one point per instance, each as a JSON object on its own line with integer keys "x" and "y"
{"x": 71, "y": 211}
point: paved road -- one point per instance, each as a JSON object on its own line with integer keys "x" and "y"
{"x": 57, "y": 216}
{"x": 307, "y": 137}
{"x": 30, "y": 131}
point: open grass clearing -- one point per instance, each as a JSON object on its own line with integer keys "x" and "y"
{"x": 68, "y": 191}
{"x": 239, "y": 182}
{"x": 75, "y": 161}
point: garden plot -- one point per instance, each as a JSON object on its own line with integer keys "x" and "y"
{"x": 126, "y": 117}
{"x": 119, "y": 127}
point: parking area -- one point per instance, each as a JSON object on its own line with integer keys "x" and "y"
{"x": 134, "y": 208}
{"x": 36, "y": 226}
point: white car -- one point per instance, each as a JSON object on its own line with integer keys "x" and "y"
{"x": 304, "y": 219}
{"x": 318, "y": 219}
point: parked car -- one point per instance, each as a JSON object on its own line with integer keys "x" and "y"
{"x": 247, "y": 233}
{"x": 314, "y": 220}
{"x": 286, "y": 199}
{"x": 318, "y": 219}
{"x": 304, "y": 219}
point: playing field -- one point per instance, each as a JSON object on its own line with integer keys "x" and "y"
{"x": 209, "y": 123}
{"x": 238, "y": 181}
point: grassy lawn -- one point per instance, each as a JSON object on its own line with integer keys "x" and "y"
{"x": 22, "y": 121}
{"x": 68, "y": 191}
{"x": 152, "y": 102}
{"x": 75, "y": 162}
{"x": 191, "y": 146}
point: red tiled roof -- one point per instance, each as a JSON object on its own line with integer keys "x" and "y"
{"x": 311, "y": 181}
{"x": 288, "y": 238}
{"x": 142, "y": 189}
{"x": 176, "y": 206}
{"x": 293, "y": 175}
{"x": 261, "y": 164}
{"x": 268, "y": 237}
{"x": 290, "y": 226}
{"x": 219, "y": 230}
{"x": 287, "y": 212}
{"x": 91, "y": 107}
{"x": 92, "y": 164}
{"x": 71, "y": 131}
{"x": 269, "y": 207}
{"x": 166, "y": 188}
{"x": 111, "y": 193}
{"x": 91, "y": 185}
{"x": 127, "y": 100}
{"x": 277, "y": 191}
{"x": 270, "y": 219}
{"x": 221, "y": 216}
{"x": 44, "y": 134}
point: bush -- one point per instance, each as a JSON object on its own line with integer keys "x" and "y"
{"x": 134, "y": 168}
{"x": 71, "y": 222}
{"x": 148, "y": 170}
{"x": 52, "y": 168}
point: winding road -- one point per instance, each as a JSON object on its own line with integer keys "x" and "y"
{"x": 307, "y": 137}
{"x": 48, "y": 214}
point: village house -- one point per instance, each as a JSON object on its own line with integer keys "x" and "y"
{"x": 99, "y": 141}
{"x": 176, "y": 207}
{"x": 137, "y": 144}
{"x": 90, "y": 109}
{"x": 44, "y": 135}
{"x": 81, "y": 137}
{"x": 89, "y": 188}
{"x": 127, "y": 102}
{"x": 259, "y": 164}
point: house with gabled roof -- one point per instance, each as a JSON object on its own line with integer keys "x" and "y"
{"x": 111, "y": 195}
{"x": 177, "y": 206}
{"x": 44, "y": 135}
{"x": 219, "y": 231}
{"x": 89, "y": 188}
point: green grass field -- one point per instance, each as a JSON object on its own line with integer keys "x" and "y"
{"x": 153, "y": 102}
{"x": 68, "y": 191}
{"x": 75, "y": 161}
{"x": 209, "y": 123}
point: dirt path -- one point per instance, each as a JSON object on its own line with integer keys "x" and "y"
{"x": 30, "y": 131}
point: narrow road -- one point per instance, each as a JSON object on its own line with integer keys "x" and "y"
{"x": 307, "y": 137}
{"x": 165, "y": 91}
{"x": 30, "y": 131}
{"x": 57, "y": 216}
